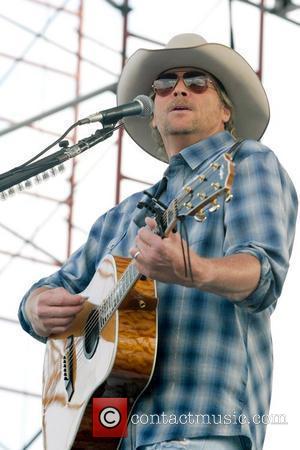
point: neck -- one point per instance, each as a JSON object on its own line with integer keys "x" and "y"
{"x": 176, "y": 142}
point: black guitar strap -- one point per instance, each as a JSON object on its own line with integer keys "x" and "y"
{"x": 233, "y": 150}
{"x": 183, "y": 230}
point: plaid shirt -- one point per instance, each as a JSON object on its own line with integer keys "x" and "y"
{"x": 213, "y": 373}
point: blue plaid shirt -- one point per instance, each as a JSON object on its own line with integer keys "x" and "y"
{"x": 213, "y": 373}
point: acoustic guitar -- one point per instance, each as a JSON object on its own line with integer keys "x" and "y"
{"x": 110, "y": 349}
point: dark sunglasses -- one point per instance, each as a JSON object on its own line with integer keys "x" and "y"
{"x": 197, "y": 82}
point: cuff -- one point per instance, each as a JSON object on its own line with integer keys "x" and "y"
{"x": 261, "y": 297}
{"x": 24, "y": 321}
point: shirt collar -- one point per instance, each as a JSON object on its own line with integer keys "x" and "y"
{"x": 198, "y": 153}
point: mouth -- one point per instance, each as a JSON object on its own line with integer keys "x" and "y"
{"x": 180, "y": 108}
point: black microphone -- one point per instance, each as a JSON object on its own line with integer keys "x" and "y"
{"x": 141, "y": 106}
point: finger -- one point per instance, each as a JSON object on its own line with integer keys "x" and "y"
{"x": 59, "y": 311}
{"x": 61, "y": 297}
{"x": 58, "y": 322}
{"x": 151, "y": 223}
{"x": 142, "y": 246}
{"x": 135, "y": 252}
{"x": 147, "y": 236}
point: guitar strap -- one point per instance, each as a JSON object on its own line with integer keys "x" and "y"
{"x": 183, "y": 230}
{"x": 233, "y": 150}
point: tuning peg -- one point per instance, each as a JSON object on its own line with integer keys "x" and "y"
{"x": 216, "y": 186}
{"x": 228, "y": 197}
{"x": 200, "y": 216}
{"x": 215, "y": 166}
{"x": 215, "y": 206}
{"x": 188, "y": 205}
{"x": 202, "y": 195}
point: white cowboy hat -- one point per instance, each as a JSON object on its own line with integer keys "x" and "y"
{"x": 251, "y": 107}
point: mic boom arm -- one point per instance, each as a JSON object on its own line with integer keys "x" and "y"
{"x": 18, "y": 175}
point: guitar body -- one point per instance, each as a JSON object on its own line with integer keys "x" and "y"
{"x": 87, "y": 362}
{"x": 111, "y": 347}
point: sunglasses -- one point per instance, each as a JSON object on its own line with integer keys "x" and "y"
{"x": 197, "y": 82}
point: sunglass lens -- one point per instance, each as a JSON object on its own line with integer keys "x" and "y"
{"x": 164, "y": 86}
{"x": 197, "y": 84}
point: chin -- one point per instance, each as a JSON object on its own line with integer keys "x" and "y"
{"x": 181, "y": 131}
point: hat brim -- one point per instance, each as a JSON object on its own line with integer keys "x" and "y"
{"x": 251, "y": 106}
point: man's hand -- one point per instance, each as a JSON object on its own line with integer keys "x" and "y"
{"x": 160, "y": 259}
{"x": 52, "y": 311}
{"x": 234, "y": 276}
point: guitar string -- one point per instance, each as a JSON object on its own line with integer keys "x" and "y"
{"x": 109, "y": 308}
{"x": 172, "y": 207}
{"x": 124, "y": 275}
{"x": 105, "y": 306}
{"x": 80, "y": 351}
{"x": 58, "y": 365}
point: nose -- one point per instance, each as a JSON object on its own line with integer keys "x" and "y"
{"x": 180, "y": 89}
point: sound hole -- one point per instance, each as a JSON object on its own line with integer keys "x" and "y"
{"x": 91, "y": 334}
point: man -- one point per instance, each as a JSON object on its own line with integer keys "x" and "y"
{"x": 214, "y": 359}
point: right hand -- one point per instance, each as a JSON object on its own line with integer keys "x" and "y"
{"x": 52, "y": 311}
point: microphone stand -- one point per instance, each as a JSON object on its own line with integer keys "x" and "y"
{"x": 15, "y": 176}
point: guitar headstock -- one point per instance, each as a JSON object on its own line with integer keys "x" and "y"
{"x": 200, "y": 196}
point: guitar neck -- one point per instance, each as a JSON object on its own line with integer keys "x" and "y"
{"x": 118, "y": 294}
{"x": 197, "y": 198}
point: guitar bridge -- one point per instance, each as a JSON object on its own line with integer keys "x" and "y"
{"x": 68, "y": 367}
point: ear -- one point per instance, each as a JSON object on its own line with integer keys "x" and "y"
{"x": 153, "y": 123}
{"x": 226, "y": 114}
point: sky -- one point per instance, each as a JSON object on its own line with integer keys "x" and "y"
{"x": 26, "y": 90}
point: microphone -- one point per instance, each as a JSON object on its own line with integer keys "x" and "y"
{"x": 141, "y": 106}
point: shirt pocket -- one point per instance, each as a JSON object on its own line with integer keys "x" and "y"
{"x": 196, "y": 231}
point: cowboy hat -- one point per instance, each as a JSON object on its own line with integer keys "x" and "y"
{"x": 251, "y": 108}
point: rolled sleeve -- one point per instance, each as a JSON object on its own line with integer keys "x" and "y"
{"x": 74, "y": 275}
{"x": 259, "y": 299}
{"x": 260, "y": 221}
{"x": 25, "y": 323}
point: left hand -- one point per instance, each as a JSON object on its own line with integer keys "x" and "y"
{"x": 160, "y": 259}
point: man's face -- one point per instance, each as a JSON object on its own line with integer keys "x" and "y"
{"x": 183, "y": 112}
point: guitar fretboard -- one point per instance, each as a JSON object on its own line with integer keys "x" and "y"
{"x": 112, "y": 302}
